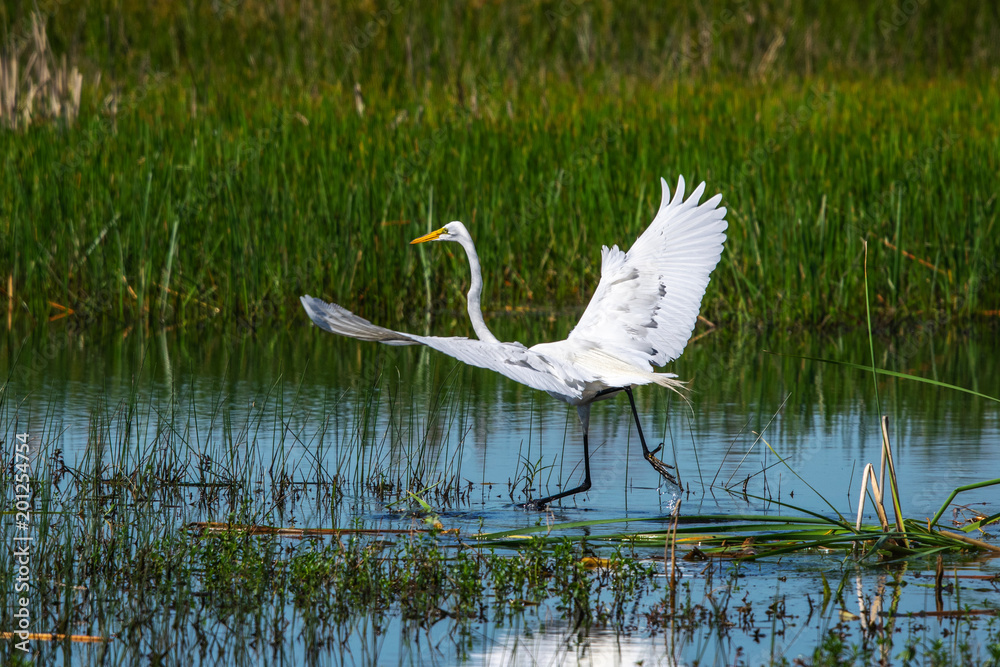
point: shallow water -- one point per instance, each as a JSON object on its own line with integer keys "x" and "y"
{"x": 322, "y": 407}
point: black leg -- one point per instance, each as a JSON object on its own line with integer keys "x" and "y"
{"x": 658, "y": 465}
{"x": 542, "y": 502}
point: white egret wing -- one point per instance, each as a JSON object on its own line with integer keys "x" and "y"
{"x": 647, "y": 302}
{"x": 513, "y": 360}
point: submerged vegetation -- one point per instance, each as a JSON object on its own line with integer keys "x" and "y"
{"x": 346, "y": 531}
{"x": 233, "y": 156}
{"x": 173, "y": 541}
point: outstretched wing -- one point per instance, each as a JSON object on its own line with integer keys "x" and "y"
{"x": 647, "y": 302}
{"x": 534, "y": 369}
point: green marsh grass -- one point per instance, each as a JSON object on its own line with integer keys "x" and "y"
{"x": 176, "y": 212}
{"x": 309, "y": 213}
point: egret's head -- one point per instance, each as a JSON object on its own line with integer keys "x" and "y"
{"x": 453, "y": 231}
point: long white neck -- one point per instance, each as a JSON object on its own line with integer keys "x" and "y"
{"x": 475, "y": 291}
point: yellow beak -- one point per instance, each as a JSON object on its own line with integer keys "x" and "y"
{"x": 428, "y": 237}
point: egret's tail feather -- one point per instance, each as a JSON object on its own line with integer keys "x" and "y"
{"x": 670, "y": 381}
{"x": 336, "y": 319}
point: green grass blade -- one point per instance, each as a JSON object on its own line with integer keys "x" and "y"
{"x": 967, "y": 487}
{"x": 882, "y": 371}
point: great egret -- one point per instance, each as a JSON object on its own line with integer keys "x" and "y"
{"x": 641, "y": 316}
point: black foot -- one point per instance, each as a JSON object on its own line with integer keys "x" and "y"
{"x": 659, "y": 466}
{"x": 532, "y": 505}
{"x": 541, "y": 503}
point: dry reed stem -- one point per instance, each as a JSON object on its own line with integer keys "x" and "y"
{"x": 971, "y": 541}
{"x": 868, "y": 475}
{"x": 892, "y": 475}
{"x": 878, "y": 488}
{"x": 56, "y": 88}
{"x": 910, "y": 255}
